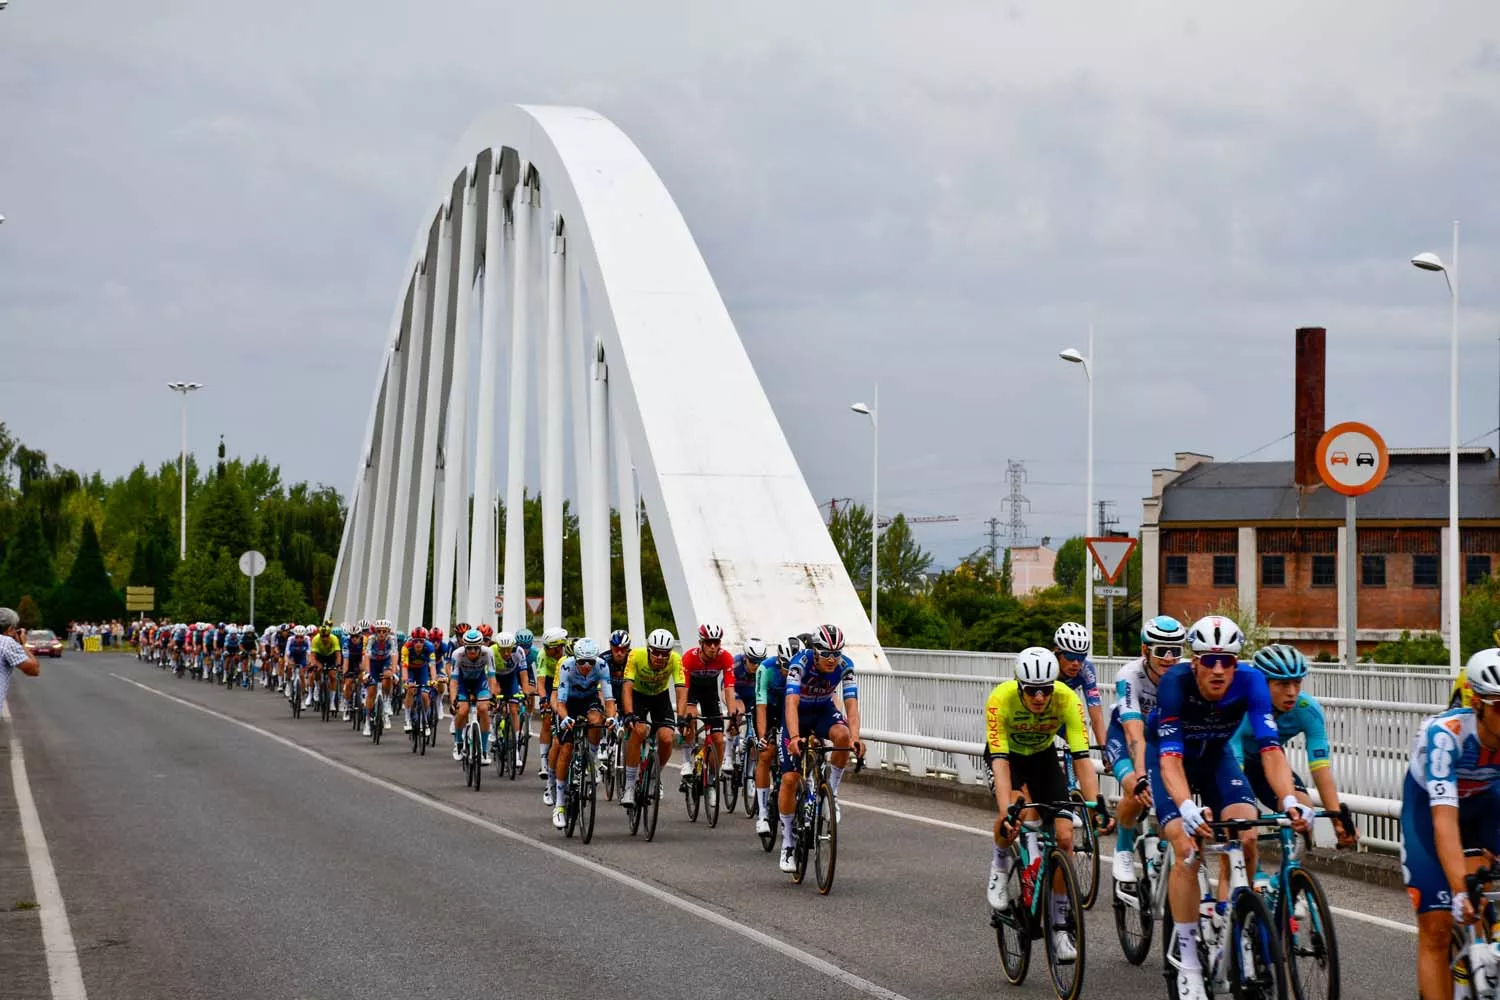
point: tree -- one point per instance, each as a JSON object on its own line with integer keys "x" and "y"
{"x": 28, "y": 565}
{"x": 1067, "y": 569}
{"x": 1424, "y": 647}
{"x": 849, "y": 527}
{"x": 903, "y": 564}
{"x": 29, "y": 613}
{"x": 1007, "y": 576}
{"x": 88, "y": 594}
{"x": 1478, "y": 617}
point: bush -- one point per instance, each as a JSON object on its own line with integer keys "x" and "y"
{"x": 30, "y": 614}
{"x": 1422, "y": 648}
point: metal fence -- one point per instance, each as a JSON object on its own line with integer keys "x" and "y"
{"x": 933, "y": 723}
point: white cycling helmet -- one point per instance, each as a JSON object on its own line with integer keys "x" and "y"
{"x": 1073, "y": 637}
{"x": 1483, "y": 673}
{"x": 300, "y": 630}
{"x": 660, "y": 640}
{"x": 1216, "y": 634}
{"x": 585, "y": 648}
{"x": 382, "y": 624}
{"x": 755, "y": 649}
{"x": 1036, "y": 665}
{"x": 554, "y": 636}
{"x": 506, "y": 640}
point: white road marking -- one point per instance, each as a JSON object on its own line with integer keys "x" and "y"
{"x": 1105, "y": 858}
{"x": 727, "y": 923}
{"x": 63, "y": 970}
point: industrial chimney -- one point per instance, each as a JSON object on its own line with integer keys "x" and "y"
{"x": 1312, "y": 352}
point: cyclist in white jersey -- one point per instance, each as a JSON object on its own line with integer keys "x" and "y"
{"x": 1125, "y": 742}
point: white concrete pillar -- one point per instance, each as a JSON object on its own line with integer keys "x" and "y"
{"x": 480, "y": 607}
{"x": 352, "y": 592}
{"x": 1150, "y": 572}
{"x": 383, "y": 479}
{"x": 407, "y": 457}
{"x": 552, "y": 440}
{"x": 630, "y": 525}
{"x": 456, "y": 425}
{"x": 1247, "y": 574}
{"x": 597, "y": 587}
{"x": 580, "y": 361}
{"x": 439, "y": 377}
{"x": 515, "y": 491}
{"x": 1446, "y": 598}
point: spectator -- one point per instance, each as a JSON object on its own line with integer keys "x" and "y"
{"x": 13, "y": 651}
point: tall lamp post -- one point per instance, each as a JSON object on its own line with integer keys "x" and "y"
{"x": 1071, "y": 354}
{"x": 872, "y": 411}
{"x": 1432, "y": 262}
{"x": 184, "y": 388}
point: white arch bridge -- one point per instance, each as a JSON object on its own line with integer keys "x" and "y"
{"x": 556, "y": 264}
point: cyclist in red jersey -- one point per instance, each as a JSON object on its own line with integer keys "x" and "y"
{"x": 710, "y": 670}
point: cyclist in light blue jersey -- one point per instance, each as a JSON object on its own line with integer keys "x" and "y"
{"x": 583, "y": 691}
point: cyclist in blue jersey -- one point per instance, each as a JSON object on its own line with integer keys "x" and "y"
{"x": 770, "y": 707}
{"x": 822, "y": 697}
{"x": 354, "y": 656}
{"x": 1297, "y": 714}
{"x": 418, "y": 653}
{"x": 1450, "y": 802}
{"x": 298, "y": 648}
{"x": 582, "y": 691}
{"x": 382, "y": 653}
{"x": 1071, "y": 643}
{"x": 1199, "y": 707}
{"x": 745, "y": 670}
{"x": 1125, "y": 742}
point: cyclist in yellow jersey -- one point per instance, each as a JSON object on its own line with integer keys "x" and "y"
{"x": 1022, "y": 717}
{"x": 328, "y": 658}
{"x": 647, "y": 698}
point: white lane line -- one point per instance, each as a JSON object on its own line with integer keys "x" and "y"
{"x": 63, "y": 970}
{"x": 1105, "y": 857}
{"x": 727, "y": 923}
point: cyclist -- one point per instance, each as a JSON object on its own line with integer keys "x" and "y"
{"x": 511, "y": 680}
{"x": 469, "y": 683}
{"x": 1023, "y": 716}
{"x": 380, "y": 658}
{"x": 328, "y": 656}
{"x": 770, "y": 707}
{"x": 297, "y": 651}
{"x": 1199, "y": 706}
{"x": 1297, "y": 713}
{"x": 443, "y": 651}
{"x": 709, "y": 668}
{"x": 1125, "y": 742}
{"x": 646, "y": 698}
{"x": 745, "y": 672}
{"x": 822, "y": 697}
{"x": 416, "y": 655}
{"x": 554, "y": 651}
{"x": 617, "y": 658}
{"x": 582, "y": 684}
{"x": 354, "y": 654}
{"x": 1071, "y": 643}
{"x": 1450, "y": 802}
{"x": 231, "y": 649}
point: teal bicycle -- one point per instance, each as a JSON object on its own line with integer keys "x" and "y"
{"x": 1303, "y": 917}
{"x": 1030, "y": 914}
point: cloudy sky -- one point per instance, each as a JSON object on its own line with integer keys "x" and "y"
{"x": 937, "y": 196}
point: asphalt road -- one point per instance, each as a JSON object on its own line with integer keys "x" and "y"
{"x": 200, "y": 858}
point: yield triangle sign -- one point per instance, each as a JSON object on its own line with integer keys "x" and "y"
{"x": 534, "y": 604}
{"x": 1110, "y": 555}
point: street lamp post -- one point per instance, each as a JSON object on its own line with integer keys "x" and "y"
{"x": 1071, "y": 354}
{"x": 872, "y": 412}
{"x": 184, "y": 388}
{"x": 1432, "y": 262}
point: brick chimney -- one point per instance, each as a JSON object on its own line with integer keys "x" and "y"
{"x": 1312, "y": 351}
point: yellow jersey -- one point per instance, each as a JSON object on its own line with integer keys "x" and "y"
{"x": 651, "y": 680}
{"x": 1011, "y": 727}
{"x": 1463, "y": 695}
{"x": 328, "y": 646}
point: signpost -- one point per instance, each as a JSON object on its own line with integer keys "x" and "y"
{"x": 140, "y": 599}
{"x": 1352, "y": 459}
{"x": 252, "y": 564}
{"x": 1110, "y": 555}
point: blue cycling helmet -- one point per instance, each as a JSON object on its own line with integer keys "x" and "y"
{"x": 473, "y": 637}
{"x": 1163, "y": 629}
{"x": 1281, "y": 662}
{"x": 524, "y": 638}
{"x": 619, "y": 639}
{"x": 585, "y": 648}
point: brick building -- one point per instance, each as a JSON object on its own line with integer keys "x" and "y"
{"x": 1270, "y": 537}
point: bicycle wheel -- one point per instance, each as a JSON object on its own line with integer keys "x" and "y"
{"x": 377, "y": 723}
{"x": 729, "y": 785}
{"x": 1171, "y": 956}
{"x": 1254, "y": 952}
{"x": 1013, "y": 928}
{"x": 1067, "y": 974}
{"x": 634, "y": 813}
{"x": 710, "y": 790}
{"x": 297, "y": 698}
{"x": 1085, "y": 853}
{"x": 652, "y": 803}
{"x": 825, "y": 838}
{"x": 691, "y": 795}
{"x": 577, "y": 778}
{"x": 523, "y": 750}
{"x": 802, "y": 832}
{"x": 586, "y": 809}
{"x": 1307, "y": 938}
{"x": 416, "y": 730}
{"x": 768, "y": 839}
{"x": 1133, "y": 919}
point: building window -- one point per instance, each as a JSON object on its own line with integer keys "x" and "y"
{"x": 1424, "y": 570}
{"x": 1224, "y": 574}
{"x": 1476, "y": 568}
{"x": 1324, "y": 571}
{"x": 1372, "y": 571}
{"x": 1273, "y": 571}
{"x": 1177, "y": 571}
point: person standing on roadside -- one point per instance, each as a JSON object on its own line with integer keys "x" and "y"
{"x": 13, "y": 651}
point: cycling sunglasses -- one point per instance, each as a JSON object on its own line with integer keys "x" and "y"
{"x": 1166, "y": 652}
{"x": 1219, "y": 661}
{"x": 582, "y": 662}
{"x": 1036, "y": 690}
{"x": 658, "y": 654}
{"x": 1072, "y": 657}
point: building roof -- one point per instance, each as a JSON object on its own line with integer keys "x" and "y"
{"x": 1415, "y": 488}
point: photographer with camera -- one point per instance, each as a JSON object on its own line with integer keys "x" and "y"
{"x": 13, "y": 651}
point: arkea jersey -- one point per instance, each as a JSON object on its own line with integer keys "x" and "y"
{"x": 649, "y": 679}
{"x": 1187, "y": 724}
{"x": 1449, "y": 762}
{"x": 813, "y": 685}
{"x": 1012, "y": 728}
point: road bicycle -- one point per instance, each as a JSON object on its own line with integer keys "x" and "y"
{"x": 815, "y": 823}
{"x": 1141, "y": 904}
{"x": 739, "y": 779}
{"x": 1474, "y": 950}
{"x": 1239, "y": 948}
{"x": 510, "y": 757}
{"x": 647, "y": 803}
{"x": 610, "y": 763}
{"x": 701, "y": 779}
{"x": 423, "y": 717}
{"x": 1036, "y": 863}
{"x": 1086, "y": 836}
{"x": 582, "y": 793}
{"x": 470, "y": 756}
{"x": 1304, "y": 918}
{"x": 294, "y": 686}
